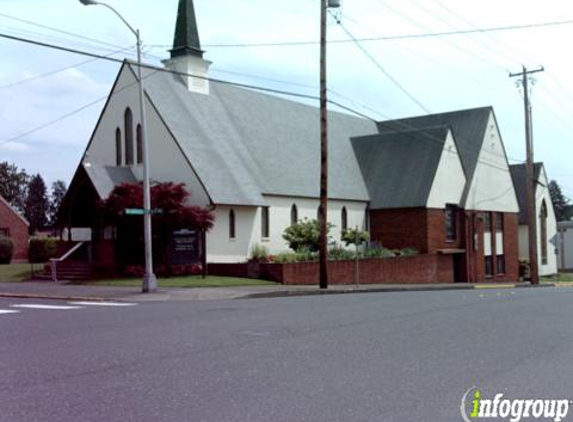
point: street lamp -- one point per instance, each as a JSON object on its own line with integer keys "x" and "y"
{"x": 149, "y": 283}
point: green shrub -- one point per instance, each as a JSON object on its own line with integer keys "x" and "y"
{"x": 377, "y": 251}
{"x": 259, "y": 253}
{"x": 338, "y": 253}
{"x": 285, "y": 258}
{"x": 6, "y": 250}
{"x": 42, "y": 249}
{"x": 349, "y": 236}
{"x": 304, "y": 235}
{"x": 409, "y": 252}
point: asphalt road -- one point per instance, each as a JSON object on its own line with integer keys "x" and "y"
{"x": 365, "y": 357}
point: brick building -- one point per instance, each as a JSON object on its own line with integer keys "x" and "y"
{"x": 441, "y": 183}
{"x": 14, "y": 226}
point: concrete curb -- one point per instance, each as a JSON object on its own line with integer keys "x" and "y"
{"x": 398, "y": 289}
{"x": 55, "y": 297}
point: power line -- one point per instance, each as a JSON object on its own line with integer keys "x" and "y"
{"x": 388, "y": 37}
{"x": 58, "y": 30}
{"x": 155, "y": 69}
{"x": 54, "y": 72}
{"x": 384, "y": 71}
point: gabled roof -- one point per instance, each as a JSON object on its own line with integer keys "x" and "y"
{"x": 518, "y": 173}
{"x": 399, "y": 167}
{"x": 106, "y": 178}
{"x": 11, "y": 208}
{"x": 243, "y": 144}
{"x": 468, "y": 126}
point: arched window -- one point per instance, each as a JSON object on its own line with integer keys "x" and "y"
{"x": 543, "y": 232}
{"x": 128, "y": 129}
{"x": 293, "y": 214}
{"x": 139, "y": 145}
{"x": 344, "y": 219}
{"x": 232, "y": 233}
{"x": 118, "y": 158}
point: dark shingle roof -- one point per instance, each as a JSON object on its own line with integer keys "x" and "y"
{"x": 243, "y": 144}
{"x": 518, "y": 175}
{"x": 106, "y": 178}
{"x": 399, "y": 167}
{"x": 468, "y": 126}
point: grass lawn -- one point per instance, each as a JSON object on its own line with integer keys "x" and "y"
{"x": 559, "y": 278}
{"x": 14, "y": 273}
{"x": 188, "y": 282}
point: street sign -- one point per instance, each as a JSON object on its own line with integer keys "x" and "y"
{"x": 141, "y": 211}
{"x": 134, "y": 211}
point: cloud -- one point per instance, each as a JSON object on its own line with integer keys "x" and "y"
{"x": 15, "y": 148}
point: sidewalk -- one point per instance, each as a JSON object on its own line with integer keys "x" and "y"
{"x": 63, "y": 291}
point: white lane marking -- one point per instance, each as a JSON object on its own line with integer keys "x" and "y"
{"x": 5, "y": 312}
{"x": 53, "y": 307}
{"x": 102, "y": 304}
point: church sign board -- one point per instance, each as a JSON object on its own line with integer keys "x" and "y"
{"x": 187, "y": 247}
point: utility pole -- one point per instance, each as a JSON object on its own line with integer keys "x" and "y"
{"x": 530, "y": 176}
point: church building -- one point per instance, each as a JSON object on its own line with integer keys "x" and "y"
{"x": 439, "y": 183}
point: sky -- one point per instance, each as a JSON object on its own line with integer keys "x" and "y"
{"x": 50, "y": 100}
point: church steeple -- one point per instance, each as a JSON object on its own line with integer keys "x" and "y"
{"x": 187, "y": 56}
{"x": 186, "y": 41}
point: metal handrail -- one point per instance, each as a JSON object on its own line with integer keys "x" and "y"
{"x": 54, "y": 261}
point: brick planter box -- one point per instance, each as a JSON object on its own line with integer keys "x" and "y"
{"x": 417, "y": 269}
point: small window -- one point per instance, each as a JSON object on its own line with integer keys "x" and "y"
{"x": 499, "y": 222}
{"x": 118, "y": 155}
{"x": 344, "y": 219}
{"x": 128, "y": 129}
{"x": 4, "y": 231}
{"x": 451, "y": 222}
{"x": 293, "y": 214}
{"x": 501, "y": 264}
{"x": 139, "y": 136}
{"x": 487, "y": 222}
{"x": 232, "y": 232}
{"x": 265, "y": 223}
{"x": 543, "y": 232}
{"x": 367, "y": 220}
{"x": 489, "y": 266}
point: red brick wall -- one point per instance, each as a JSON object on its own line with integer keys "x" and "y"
{"x": 18, "y": 231}
{"x": 510, "y": 246}
{"x": 418, "y": 269}
{"x": 420, "y": 228}
{"x": 400, "y": 228}
{"x": 436, "y": 224}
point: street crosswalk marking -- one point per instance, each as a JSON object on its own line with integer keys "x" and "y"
{"x": 111, "y": 304}
{"x": 50, "y": 307}
{"x": 6, "y": 312}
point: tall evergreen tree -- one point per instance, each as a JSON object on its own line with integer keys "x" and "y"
{"x": 37, "y": 205}
{"x": 59, "y": 190}
{"x": 560, "y": 202}
{"x": 13, "y": 185}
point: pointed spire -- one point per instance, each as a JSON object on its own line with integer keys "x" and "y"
{"x": 186, "y": 41}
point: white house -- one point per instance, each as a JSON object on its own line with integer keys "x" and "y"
{"x": 547, "y": 240}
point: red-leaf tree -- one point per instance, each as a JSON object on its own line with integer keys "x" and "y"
{"x": 169, "y": 197}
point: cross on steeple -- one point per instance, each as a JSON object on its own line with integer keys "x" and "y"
{"x": 186, "y": 41}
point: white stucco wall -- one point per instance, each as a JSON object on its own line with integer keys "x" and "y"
{"x": 565, "y": 258}
{"x": 221, "y": 248}
{"x": 492, "y": 187}
{"x": 541, "y": 195}
{"x": 167, "y": 162}
{"x": 450, "y": 180}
